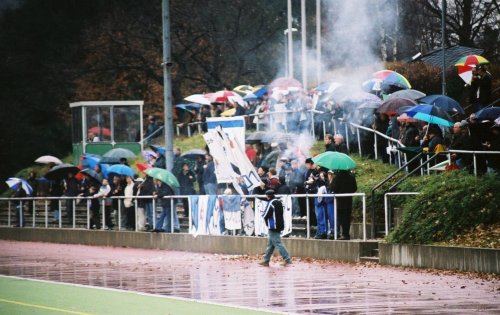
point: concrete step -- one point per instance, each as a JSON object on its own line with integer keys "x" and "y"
{"x": 369, "y": 259}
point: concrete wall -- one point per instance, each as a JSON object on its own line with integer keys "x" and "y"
{"x": 440, "y": 257}
{"x": 238, "y": 245}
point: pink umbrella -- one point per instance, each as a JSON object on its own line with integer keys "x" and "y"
{"x": 285, "y": 83}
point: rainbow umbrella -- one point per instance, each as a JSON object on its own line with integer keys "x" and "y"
{"x": 389, "y": 77}
{"x": 471, "y": 60}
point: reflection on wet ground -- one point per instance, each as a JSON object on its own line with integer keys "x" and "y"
{"x": 304, "y": 287}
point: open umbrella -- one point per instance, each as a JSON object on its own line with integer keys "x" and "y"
{"x": 199, "y": 98}
{"x": 93, "y": 174}
{"x": 334, "y": 160}
{"x": 285, "y": 83}
{"x": 14, "y": 182}
{"x": 119, "y": 153}
{"x": 328, "y": 87}
{"x": 194, "y": 153}
{"x": 489, "y": 113}
{"x": 228, "y": 113}
{"x": 391, "y": 106}
{"x": 243, "y": 89}
{"x": 260, "y": 91}
{"x": 370, "y": 105}
{"x": 121, "y": 169}
{"x": 163, "y": 175}
{"x": 250, "y": 97}
{"x": 191, "y": 107}
{"x": 157, "y": 148}
{"x": 408, "y": 93}
{"x": 223, "y": 96}
{"x": 255, "y": 137}
{"x": 471, "y": 60}
{"x": 109, "y": 160}
{"x": 431, "y": 114}
{"x": 389, "y": 77}
{"x": 142, "y": 166}
{"x": 90, "y": 160}
{"x": 47, "y": 159}
{"x": 100, "y": 131}
{"x": 444, "y": 102}
{"x": 60, "y": 171}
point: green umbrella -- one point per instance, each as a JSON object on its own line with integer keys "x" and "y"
{"x": 334, "y": 161}
{"x": 163, "y": 175}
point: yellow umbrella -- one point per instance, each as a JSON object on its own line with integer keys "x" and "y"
{"x": 228, "y": 113}
{"x": 243, "y": 89}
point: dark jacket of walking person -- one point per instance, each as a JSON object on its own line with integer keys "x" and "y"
{"x": 273, "y": 216}
{"x": 344, "y": 182}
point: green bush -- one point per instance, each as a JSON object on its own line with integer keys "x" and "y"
{"x": 448, "y": 204}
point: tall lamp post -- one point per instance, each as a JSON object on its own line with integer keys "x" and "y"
{"x": 287, "y": 57}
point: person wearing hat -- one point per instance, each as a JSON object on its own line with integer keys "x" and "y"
{"x": 273, "y": 216}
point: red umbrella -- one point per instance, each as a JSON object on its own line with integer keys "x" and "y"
{"x": 224, "y": 96}
{"x": 142, "y": 166}
{"x": 100, "y": 131}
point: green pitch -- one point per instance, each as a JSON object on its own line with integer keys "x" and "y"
{"x": 24, "y": 296}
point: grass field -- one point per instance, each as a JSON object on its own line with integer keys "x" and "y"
{"x": 25, "y": 296}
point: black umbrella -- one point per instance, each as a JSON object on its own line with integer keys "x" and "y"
{"x": 93, "y": 174}
{"x": 61, "y": 171}
{"x": 255, "y": 137}
{"x": 194, "y": 154}
{"x": 391, "y": 106}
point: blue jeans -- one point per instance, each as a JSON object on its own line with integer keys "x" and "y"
{"x": 164, "y": 222}
{"x": 320, "y": 217}
{"x": 210, "y": 189}
{"x": 329, "y": 214}
{"x": 274, "y": 241}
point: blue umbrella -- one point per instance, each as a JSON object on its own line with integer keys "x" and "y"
{"x": 158, "y": 149}
{"x": 104, "y": 169}
{"x": 431, "y": 114}
{"x": 90, "y": 160}
{"x": 444, "y": 102}
{"x": 250, "y": 97}
{"x": 490, "y": 113}
{"x": 260, "y": 92}
{"x": 14, "y": 182}
{"x": 189, "y": 107}
{"x": 121, "y": 169}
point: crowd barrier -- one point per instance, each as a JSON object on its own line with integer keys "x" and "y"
{"x": 38, "y": 210}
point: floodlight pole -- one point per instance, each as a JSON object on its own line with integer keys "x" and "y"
{"x": 167, "y": 87}
{"x": 443, "y": 45}
{"x": 290, "y": 42}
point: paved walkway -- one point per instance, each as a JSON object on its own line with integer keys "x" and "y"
{"x": 304, "y": 287}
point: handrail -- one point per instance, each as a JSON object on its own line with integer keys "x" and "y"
{"x": 387, "y": 206}
{"x": 172, "y": 197}
{"x": 385, "y": 180}
{"x": 160, "y": 128}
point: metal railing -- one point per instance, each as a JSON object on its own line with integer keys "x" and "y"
{"x": 388, "y": 208}
{"x": 19, "y": 203}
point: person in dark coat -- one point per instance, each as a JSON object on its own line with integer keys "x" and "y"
{"x": 340, "y": 145}
{"x": 329, "y": 143}
{"x": 344, "y": 182}
{"x": 186, "y": 179}
{"x": 273, "y": 216}
{"x": 71, "y": 189}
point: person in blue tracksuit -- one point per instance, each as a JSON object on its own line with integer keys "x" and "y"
{"x": 273, "y": 216}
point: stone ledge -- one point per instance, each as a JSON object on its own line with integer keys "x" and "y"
{"x": 440, "y": 257}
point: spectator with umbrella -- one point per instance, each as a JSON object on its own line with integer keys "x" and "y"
{"x": 21, "y": 189}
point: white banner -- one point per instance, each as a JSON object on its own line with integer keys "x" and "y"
{"x": 234, "y": 124}
{"x": 260, "y": 225}
{"x": 231, "y": 162}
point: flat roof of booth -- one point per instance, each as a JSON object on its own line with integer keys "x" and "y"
{"x": 106, "y": 103}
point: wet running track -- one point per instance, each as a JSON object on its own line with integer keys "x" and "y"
{"x": 308, "y": 287}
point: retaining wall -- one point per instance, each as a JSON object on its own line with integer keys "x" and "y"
{"x": 321, "y": 249}
{"x": 440, "y": 257}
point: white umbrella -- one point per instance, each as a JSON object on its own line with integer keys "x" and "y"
{"x": 198, "y": 98}
{"x": 47, "y": 159}
{"x": 13, "y": 183}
